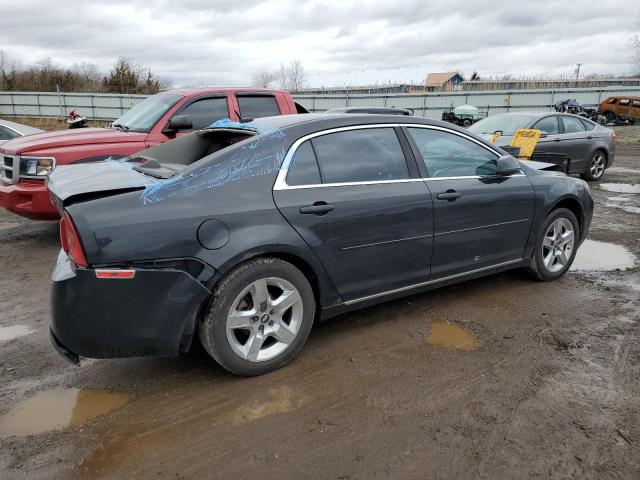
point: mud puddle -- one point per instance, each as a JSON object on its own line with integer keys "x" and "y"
{"x": 623, "y": 203}
{"x": 14, "y": 331}
{"x": 621, "y": 187}
{"x": 282, "y": 400}
{"x": 623, "y": 170}
{"x": 602, "y": 256}
{"x": 57, "y": 409}
{"x": 451, "y": 336}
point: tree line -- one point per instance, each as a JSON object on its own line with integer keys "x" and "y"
{"x": 126, "y": 77}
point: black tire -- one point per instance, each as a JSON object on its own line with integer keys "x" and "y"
{"x": 595, "y": 167}
{"x": 213, "y": 328}
{"x": 610, "y": 117}
{"x": 537, "y": 266}
{"x": 466, "y": 122}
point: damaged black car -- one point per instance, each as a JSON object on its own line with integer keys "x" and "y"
{"x": 243, "y": 235}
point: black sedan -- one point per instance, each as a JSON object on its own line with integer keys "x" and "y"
{"x": 590, "y": 147}
{"x": 245, "y": 234}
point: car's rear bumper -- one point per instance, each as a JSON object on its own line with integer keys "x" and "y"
{"x": 29, "y": 199}
{"x": 153, "y": 313}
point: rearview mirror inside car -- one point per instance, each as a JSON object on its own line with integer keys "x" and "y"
{"x": 179, "y": 122}
{"x": 507, "y": 165}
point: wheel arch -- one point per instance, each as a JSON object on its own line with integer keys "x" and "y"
{"x": 573, "y": 205}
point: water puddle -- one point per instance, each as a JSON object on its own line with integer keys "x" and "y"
{"x": 8, "y": 225}
{"x": 282, "y": 400}
{"x": 602, "y": 256}
{"x": 621, "y": 187}
{"x": 451, "y": 336}
{"x": 623, "y": 170}
{"x": 14, "y": 331}
{"x": 621, "y": 203}
{"x": 59, "y": 408}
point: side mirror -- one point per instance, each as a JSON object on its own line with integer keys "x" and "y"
{"x": 177, "y": 123}
{"x": 507, "y": 165}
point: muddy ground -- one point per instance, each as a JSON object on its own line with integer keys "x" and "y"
{"x": 545, "y": 382}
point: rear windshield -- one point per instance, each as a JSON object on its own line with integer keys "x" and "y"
{"x": 507, "y": 124}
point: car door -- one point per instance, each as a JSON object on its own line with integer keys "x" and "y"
{"x": 482, "y": 219}
{"x": 203, "y": 111}
{"x": 257, "y": 105}
{"x": 550, "y": 141}
{"x": 576, "y": 142}
{"x": 350, "y": 195}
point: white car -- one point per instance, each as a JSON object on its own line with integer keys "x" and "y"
{"x": 9, "y": 130}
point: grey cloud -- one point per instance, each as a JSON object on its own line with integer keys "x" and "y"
{"x": 223, "y": 42}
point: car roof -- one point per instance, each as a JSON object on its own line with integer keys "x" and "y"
{"x": 332, "y": 120}
{"x": 188, "y": 92}
{"x": 18, "y": 127}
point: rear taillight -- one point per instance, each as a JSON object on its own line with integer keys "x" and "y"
{"x": 71, "y": 241}
{"x": 613, "y": 135}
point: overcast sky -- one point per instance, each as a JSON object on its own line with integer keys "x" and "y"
{"x": 213, "y": 42}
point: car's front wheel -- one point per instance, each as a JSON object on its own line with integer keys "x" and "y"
{"x": 260, "y": 317}
{"x": 556, "y": 245}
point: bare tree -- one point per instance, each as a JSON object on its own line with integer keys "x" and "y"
{"x": 263, "y": 79}
{"x": 292, "y": 76}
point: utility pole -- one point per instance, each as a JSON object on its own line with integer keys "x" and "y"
{"x": 578, "y": 65}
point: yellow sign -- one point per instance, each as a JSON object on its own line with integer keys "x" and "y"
{"x": 526, "y": 139}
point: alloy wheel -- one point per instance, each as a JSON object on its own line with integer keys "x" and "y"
{"x": 596, "y": 167}
{"x": 557, "y": 245}
{"x": 264, "y": 319}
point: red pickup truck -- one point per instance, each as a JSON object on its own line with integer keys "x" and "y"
{"x": 26, "y": 161}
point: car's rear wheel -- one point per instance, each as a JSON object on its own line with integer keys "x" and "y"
{"x": 556, "y": 245}
{"x": 466, "y": 122}
{"x": 260, "y": 317}
{"x": 596, "y": 166}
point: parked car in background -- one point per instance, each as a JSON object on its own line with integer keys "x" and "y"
{"x": 245, "y": 234}
{"x": 9, "y": 130}
{"x": 590, "y": 146}
{"x": 372, "y": 110}
{"x": 27, "y": 161}
{"x": 620, "y": 108}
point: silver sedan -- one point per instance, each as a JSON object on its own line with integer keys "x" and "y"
{"x": 9, "y": 130}
{"x": 590, "y": 146}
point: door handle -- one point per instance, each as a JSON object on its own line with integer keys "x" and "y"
{"x": 557, "y": 139}
{"x": 449, "y": 195}
{"x": 318, "y": 208}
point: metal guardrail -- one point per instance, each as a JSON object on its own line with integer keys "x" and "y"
{"x": 110, "y": 106}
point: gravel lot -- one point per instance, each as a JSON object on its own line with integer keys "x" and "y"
{"x": 540, "y": 380}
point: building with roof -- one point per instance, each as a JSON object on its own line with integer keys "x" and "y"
{"x": 444, "y": 81}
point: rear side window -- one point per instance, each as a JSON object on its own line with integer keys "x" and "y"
{"x": 636, "y": 103}
{"x": 258, "y": 106}
{"x": 572, "y": 125}
{"x": 587, "y": 124}
{"x": 206, "y": 111}
{"x": 370, "y": 154}
{"x": 303, "y": 169}
{"x": 624, "y": 101}
{"x": 548, "y": 125}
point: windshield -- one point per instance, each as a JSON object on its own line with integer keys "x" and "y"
{"x": 145, "y": 114}
{"x": 507, "y": 124}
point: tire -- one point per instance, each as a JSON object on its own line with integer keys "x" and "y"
{"x": 595, "y": 167}
{"x": 243, "y": 314}
{"x": 548, "y": 268}
{"x": 610, "y": 117}
{"x": 466, "y": 122}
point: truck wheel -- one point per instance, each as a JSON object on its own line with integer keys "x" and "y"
{"x": 466, "y": 122}
{"x": 260, "y": 317}
{"x": 556, "y": 245}
{"x": 595, "y": 167}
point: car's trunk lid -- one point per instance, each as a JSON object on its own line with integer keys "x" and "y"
{"x": 67, "y": 182}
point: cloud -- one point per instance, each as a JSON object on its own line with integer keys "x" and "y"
{"x": 214, "y": 42}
